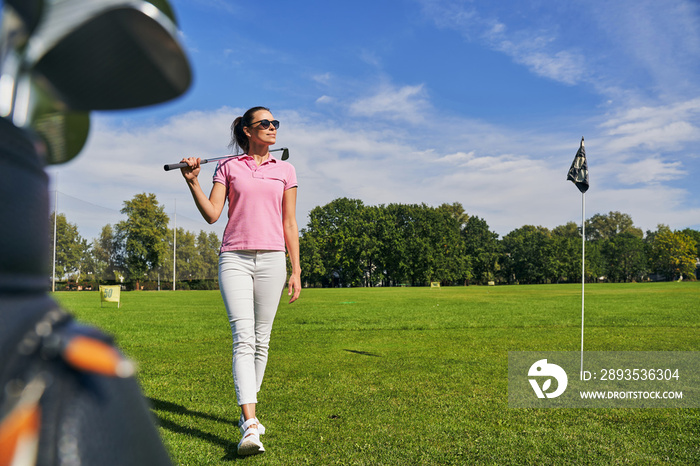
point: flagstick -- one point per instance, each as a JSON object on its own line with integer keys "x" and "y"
{"x": 583, "y": 268}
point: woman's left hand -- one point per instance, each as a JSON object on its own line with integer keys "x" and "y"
{"x": 294, "y": 287}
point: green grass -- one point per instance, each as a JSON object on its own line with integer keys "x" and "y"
{"x": 404, "y": 375}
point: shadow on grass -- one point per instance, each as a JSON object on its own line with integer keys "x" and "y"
{"x": 161, "y": 405}
{"x": 231, "y": 448}
{"x": 363, "y": 353}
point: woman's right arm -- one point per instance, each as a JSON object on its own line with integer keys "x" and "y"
{"x": 212, "y": 206}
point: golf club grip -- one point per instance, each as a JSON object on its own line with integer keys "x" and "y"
{"x": 173, "y": 166}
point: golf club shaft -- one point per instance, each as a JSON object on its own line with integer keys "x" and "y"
{"x": 172, "y": 166}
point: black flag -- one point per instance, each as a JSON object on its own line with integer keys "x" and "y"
{"x": 578, "y": 173}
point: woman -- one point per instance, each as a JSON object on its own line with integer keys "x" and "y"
{"x": 261, "y": 193}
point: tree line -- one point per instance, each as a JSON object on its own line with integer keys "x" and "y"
{"x": 137, "y": 251}
{"x": 347, "y": 243}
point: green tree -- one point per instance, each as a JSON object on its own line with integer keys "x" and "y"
{"x": 197, "y": 257}
{"x": 105, "y": 250}
{"x": 569, "y": 230}
{"x": 625, "y": 258}
{"x": 456, "y": 210}
{"x": 313, "y": 269}
{"x": 369, "y": 244}
{"x": 143, "y": 235}
{"x": 695, "y": 235}
{"x": 528, "y": 255}
{"x": 651, "y": 235}
{"x": 426, "y": 245}
{"x": 606, "y": 226}
{"x": 208, "y": 245}
{"x": 338, "y": 230}
{"x": 444, "y": 228}
{"x": 389, "y": 250}
{"x": 674, "y": 254}
{"x": 164, "y": 272}
{"x": 72, "y": 250}
{"x": 349, "y": 244}
{"x": 566, "y": 257}
{"x": 614, "y": 260}
{"x": 188, "y": 261}
{"x": 482, "y": 248}
{"x": 397, "y": 236}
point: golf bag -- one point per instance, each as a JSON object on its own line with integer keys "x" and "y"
{"x": 67, "y": 396}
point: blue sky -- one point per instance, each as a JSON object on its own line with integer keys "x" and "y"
{"x": 478, "y": 102}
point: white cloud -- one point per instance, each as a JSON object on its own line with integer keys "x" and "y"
{"x": 648, "y": 170}
{"x": 459, "y": 158}
{"x": 562, "y": 66}
{"x": 625, "y": 49}
{"x": 660, "y": 128}
{"x": 671, "y": 136}
{"x": 538, "y": 53}
{"x": 452, "y": 15}
{"x": 408, "y": 103}
{"x": 534, "y": 48}
{"x": 324, "y": 78}
{"x": 371, "y": 58}
{"x": 121, "y": 161}
{"x": 491, "y": 174}
{"x": 658, "y": 40}
{"x": 392, "y": 143}
{"x": 648, "y": 206}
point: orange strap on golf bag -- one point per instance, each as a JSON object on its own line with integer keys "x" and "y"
{"x": 66, "y": 377}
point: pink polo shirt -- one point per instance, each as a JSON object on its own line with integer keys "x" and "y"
{"x": 254, "y": 196}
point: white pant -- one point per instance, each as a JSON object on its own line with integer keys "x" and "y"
{"x": 251, "y": 283}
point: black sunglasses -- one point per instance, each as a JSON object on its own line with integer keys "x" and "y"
{"x": 264, "y": 124}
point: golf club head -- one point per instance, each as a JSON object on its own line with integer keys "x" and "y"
{"x": 59, "y": 59}
{"x": 285, "y": 154}
{"x": 59, "y": 132}
{"x": 64, "y": 134}
{"x": 109, "y": 54}
{"x": 28, "y": 10}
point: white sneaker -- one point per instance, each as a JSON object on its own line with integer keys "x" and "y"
{"x": 261, "y": 428}
{"x": 250, "y": 444}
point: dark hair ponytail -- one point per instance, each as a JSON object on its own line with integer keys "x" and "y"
{"x": 238, "y": 137}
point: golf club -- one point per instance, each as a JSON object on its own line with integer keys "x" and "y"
{"x": 61, "y": 59}
{"x": 29, "y": 11}
{"x": 109, "y": 54}
{"x": 172, "y": 166}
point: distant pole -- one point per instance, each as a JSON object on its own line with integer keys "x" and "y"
{"x": 174, "y": 243}
{"x": 55, "y": 221}
{"x": 583, "y": 268}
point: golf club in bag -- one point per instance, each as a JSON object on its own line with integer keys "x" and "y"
{"x": 67, "y": 394}
{"x": 173, "y": 166}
